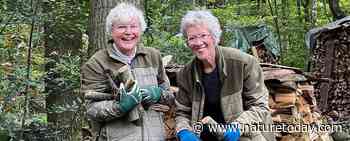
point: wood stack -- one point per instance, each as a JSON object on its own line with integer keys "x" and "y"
{"x": 264, "y": 55}
{"x": 331, "y": 66}
{"x": 292, "y": 101}
{"x": 169, "y": 120}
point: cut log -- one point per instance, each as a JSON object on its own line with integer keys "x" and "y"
{"x": 285, "y": 98}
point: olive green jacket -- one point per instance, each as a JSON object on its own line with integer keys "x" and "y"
{"x": 108, "y": 123}
{"x": 244, "y": 97}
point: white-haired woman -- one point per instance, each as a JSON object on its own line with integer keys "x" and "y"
{"x": 117, "y": 110}
{"x": 221, "y": 85}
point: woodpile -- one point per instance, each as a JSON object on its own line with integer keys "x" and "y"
{"x": 292, "y": 102}
{"x": 264, "y": 55}
{"x": 331, "y": 66}
{"x": 169, "y": 116}
{"x": 169, "y": 120}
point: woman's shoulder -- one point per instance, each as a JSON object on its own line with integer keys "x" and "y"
{"x": 151, "y": 50}
{"x": 236, "y": 54}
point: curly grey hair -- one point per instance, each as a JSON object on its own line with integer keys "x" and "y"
{"x": 204, "y": 17}
{"x": 123, "y": 12}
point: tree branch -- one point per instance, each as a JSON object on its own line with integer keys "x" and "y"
{"x": 277, "y": 27}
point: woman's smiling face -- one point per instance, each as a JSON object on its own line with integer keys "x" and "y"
{"x": 126, "y": 35}
{"x": 201, "y": 41}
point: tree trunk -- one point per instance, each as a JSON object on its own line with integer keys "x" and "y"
{"x": 285, "y": 12}
{"x": 275, "y": 19}
{"x": 284, "y": 41}
{"x": 238, "y": 2}
{"x": 336, "y": 10}
{"x": 61, "y": 38}
{"x": 97, "y": 30}
{"x": 306, "y": 4}
{"x": 313, "y": 13}
{"x": 299, "y": 10}
{"x": 325, "y": 10}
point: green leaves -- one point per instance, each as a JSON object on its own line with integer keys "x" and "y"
{"x": 164, "y": 26}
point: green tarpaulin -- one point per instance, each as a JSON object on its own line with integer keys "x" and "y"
{"x": 246, "y": 37}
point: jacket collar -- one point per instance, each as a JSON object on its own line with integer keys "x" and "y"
{"x": 140, "y": 50}
{"x": 220, "y": 63}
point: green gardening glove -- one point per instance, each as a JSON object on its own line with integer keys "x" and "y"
{"x": 129, "y": 99}
{"x": 151, "y": 94}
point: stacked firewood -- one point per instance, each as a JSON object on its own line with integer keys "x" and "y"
{"x": 331, "y": 65}
{"x": 169, "y": 124}
{"x": 169, "y": 116}
{"x": 292, "y": 102}
{"x": 265, "y": 55}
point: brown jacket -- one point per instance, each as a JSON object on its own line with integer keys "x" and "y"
{"x": 107, "y": 121}
{"x": 244, "y": 97}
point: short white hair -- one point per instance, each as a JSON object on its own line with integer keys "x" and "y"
{"x": 202, "y": 17}
{"x": 123, "y": 12}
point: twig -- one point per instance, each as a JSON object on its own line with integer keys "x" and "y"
{"x": 277, "y": 27}
{"x": 29, "y": 61}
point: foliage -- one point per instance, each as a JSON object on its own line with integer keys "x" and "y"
{"x": 164, "y": 24}
{"x": 68, "y": 68}
{"x": 15, "y": 24}
{"x": 9, "y": 123}
{"x": 164, "y": 27}
{"x": 175, "y": 46}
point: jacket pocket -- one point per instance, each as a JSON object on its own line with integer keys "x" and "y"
{"x": 232, "y": 105}
{"x": 122, "y": 129}
{"x": 227, "y": 90}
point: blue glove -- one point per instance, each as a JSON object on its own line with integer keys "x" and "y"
{"x": 232, "y": 134}
{"x": 186, "y": 135}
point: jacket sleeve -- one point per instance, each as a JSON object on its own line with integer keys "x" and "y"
{"x": 94, "y": 82}
{"x": 183, "y": 104}
{"x": 167, "y": 96}
{"x": 164, "y": 83}
{"x": 255, "y": 95}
